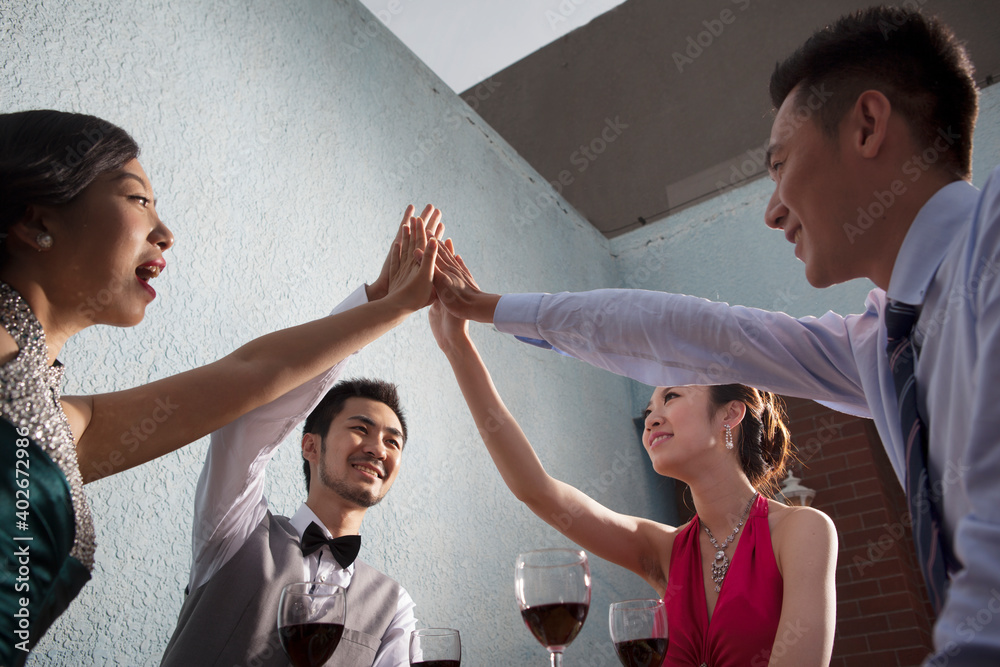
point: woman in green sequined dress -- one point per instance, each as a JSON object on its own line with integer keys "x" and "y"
{"x": 80, "y": 243}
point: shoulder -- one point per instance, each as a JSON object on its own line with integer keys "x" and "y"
{"x": 784, "y": 519}
{"x": 798, "y": 532}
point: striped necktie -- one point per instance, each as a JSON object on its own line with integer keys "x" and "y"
{"x": 923, "y": 498}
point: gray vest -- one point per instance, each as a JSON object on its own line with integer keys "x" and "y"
{"x": 231, "y": 621}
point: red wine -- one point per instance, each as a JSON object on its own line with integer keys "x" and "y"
{"x": 435, "y": 663}
{"x": 310, "y": 644}
{"x": 555, "y": 625}
{"x": 642, "y": 652}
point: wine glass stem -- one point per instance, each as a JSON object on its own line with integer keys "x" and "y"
{"x": 556, "y": 658}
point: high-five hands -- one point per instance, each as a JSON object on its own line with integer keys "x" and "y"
{"x": 450, "y": 330}
{"x": 457, "y": 290}
{"x": 433, "y": 228}
{"x": 409, "y": 267}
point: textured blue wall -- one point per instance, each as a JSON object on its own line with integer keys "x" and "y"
{"x": 283, "y": 140}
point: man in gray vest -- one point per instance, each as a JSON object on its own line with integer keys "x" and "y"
{"x": 244, "y": 555}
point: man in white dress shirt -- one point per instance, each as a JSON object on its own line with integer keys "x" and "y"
{"x": 871, "y": 153}
{"x": 243, "y": 555}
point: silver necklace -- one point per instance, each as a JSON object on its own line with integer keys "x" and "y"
{"x": 721, "y": 564}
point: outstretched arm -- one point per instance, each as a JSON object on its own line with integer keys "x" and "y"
{"x": 639, "y": 545}
{"x": 229, "y": 500}
{"x": 187, "y": 406}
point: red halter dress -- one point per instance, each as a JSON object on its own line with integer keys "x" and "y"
{"x": 745, "y": 621}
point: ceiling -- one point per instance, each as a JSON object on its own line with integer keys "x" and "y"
{"x": 657, "y": 105}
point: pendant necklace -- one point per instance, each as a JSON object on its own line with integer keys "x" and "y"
{"x": 721, "y": 564}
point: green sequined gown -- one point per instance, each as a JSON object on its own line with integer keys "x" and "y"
{"x": 46, "y": 532}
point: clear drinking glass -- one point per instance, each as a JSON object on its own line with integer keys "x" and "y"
{"x": 553, "y": 590}
{"x": 639, "y": 632}
{"x": 311, "y": 622}
{"x": 435, "y": 647}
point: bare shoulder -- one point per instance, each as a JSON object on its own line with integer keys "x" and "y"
{"x": 800, "y": 531}
{"x": 783, "y": 518}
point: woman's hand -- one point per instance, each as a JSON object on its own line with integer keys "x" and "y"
{"x": 458, "y": 292}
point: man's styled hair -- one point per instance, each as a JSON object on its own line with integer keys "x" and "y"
{"x": 914, "y": 60}
{"x": 319, "y": 420}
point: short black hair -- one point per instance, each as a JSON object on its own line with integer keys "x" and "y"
{"x": 49, "y": 157}
{"x": 914, "y": 60}
{"x": 319, "y": 420}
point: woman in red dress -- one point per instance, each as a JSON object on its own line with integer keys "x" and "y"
{"x": 721, "y": 575}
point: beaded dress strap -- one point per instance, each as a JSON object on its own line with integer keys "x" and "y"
{"x": 29, "y": 399}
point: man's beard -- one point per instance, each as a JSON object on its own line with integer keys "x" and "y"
{"x": 360, "y": 497}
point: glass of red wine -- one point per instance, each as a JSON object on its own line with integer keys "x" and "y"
{"x": 311, "y": 622}
{"x": 553, "y": 590}
{"x": 435, "y": 647}
{"x": 639, "y": 632}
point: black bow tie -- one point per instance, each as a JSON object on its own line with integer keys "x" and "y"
{"x": 344, "y": 549}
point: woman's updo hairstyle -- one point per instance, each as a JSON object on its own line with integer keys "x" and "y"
{"x": 764, "y": 445}
{"x": 49, "y": 157}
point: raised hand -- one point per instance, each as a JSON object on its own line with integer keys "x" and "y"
{"x": 411, "y": 266}
{"x": 434, "y": 228}
{"x": 457, "y": 289}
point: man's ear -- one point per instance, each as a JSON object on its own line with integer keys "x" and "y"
{"x": 869, "y": 122}
{"x": 311, "y": 447}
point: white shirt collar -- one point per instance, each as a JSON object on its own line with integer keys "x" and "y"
{"x": 301, "y": 520}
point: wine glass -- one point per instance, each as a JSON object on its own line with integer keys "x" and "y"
{"x": 435, "y": 647}
{"x": 553, "y": 590}
{"x": 639, "y": 632}
{"x": 311, "y": 622}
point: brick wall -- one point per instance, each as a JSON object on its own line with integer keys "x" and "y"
{"x": 883, "y": 616}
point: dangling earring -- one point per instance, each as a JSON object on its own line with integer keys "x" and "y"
{"x": 44, "y": 241}
{"x": 729, "y": 436}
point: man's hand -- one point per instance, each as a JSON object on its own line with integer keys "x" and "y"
{"x": 411, "y": 267}
{"x": 434, "y": 228}
{"x": 457, "y": 289}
